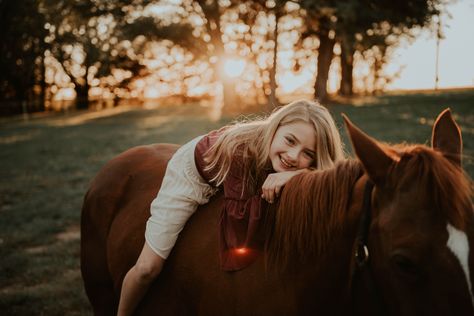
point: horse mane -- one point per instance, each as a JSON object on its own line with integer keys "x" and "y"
{"x": 311, "y": 207}
{"x": 448, "y": 184}
{"x": 314, "y": 205}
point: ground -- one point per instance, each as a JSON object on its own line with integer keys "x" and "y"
{"x": 48, "y": 160}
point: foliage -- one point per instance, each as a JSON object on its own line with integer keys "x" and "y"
{"x": 105, "y": 44}
{"x": 365, "y": 25}
{"x": 106, "y": 35}
{"x": 21, "y": 50}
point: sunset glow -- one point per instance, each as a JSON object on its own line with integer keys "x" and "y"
{"x": 172, "y": 70}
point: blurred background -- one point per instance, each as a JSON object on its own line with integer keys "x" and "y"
{"x": 93, "y": 54}
{"x": 84, "y": 80}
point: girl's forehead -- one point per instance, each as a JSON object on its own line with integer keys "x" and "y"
{"x": 303, "y": 131}
{"x": 298, "y": 127}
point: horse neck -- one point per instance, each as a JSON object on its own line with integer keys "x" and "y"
{"x": 334, "y": 270}
{"x": 315, "y": 226}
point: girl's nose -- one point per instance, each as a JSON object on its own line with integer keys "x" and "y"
{"x": 293, "y": 155}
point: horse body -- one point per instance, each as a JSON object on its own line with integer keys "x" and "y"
{"x": 193, "y": 284}
{"x": 114, "y": 215}
{"x": 412, "y": 268}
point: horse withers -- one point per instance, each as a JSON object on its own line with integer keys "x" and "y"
{"x": 387, "y": 234}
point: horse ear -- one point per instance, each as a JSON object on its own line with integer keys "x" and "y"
{"x": 446, "y": 137}
{"x": 375, "y": 161}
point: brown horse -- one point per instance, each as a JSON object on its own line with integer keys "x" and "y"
{"x": 405, "y": 212}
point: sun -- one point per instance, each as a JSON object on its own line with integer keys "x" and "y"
{"x": 234, "y": 67}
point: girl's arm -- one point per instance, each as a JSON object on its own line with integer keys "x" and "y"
{"x": 274, "y": 182}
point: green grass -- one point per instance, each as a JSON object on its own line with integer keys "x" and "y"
{"x": 410, "y": 117}
{"x": 47, "y": 162}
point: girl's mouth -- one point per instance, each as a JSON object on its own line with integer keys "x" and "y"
{"x": 285, "y": 163}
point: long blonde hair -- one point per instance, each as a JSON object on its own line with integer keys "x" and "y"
{"x": 252, "y": 140}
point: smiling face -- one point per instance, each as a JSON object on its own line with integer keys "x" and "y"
{"x": 293, "y": 147}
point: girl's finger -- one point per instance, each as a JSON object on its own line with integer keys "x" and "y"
{"x": 277, "y": 191}
{"x": 271, "y": 195}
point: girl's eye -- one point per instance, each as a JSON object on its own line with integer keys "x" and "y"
{"x": 308, "y": 155}
{"x": 290, "y": 140}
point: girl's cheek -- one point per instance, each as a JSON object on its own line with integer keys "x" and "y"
{"x": 302, "y": 165}
{"x": 307, "y": 163}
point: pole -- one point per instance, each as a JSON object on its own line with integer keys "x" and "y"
{"x": 438, "y": 40}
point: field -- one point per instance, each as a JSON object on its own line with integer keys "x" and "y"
{"x": 47, "y": 162}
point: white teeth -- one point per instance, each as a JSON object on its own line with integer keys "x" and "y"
{"x": 285, "y": 163}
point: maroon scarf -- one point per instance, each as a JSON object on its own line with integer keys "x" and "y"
{"x": 241, "y": 217}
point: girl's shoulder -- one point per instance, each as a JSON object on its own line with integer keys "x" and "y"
{"x": 214, "y": 135}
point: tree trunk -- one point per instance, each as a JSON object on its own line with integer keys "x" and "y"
{"x": 42, "y": 96}
{"x": 379, "y": 61}
{"x": 325, "y": 55}
{"x": 347, "y": 65}
{"x": 212, "y": 12}
{"x": 273, "y": 100}
{"x": 82, "y": 91}
{"x": 82, "y": 97}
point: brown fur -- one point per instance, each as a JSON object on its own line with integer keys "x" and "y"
{"x": 311, "y": 208}
{"x": 448, "y": 185}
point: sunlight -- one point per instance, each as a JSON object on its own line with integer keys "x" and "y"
{"x": 83, "y": 117}
{"x": 234, "y": 67}
{"x": 289, "y": 82}
{"x": 151, "y": 92}
{"x": 412, "y": 66}
{"x": 417, "y": 59}
{"x": 65, "y": 94}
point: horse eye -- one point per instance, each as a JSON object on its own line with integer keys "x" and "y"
{"x": 405, "y": 266}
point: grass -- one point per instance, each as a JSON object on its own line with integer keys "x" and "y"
{"x": 47, "y": 162}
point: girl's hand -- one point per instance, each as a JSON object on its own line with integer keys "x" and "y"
{"x": 274, "y": 183}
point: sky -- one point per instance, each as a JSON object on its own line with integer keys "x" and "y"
{"x": 456, "y": 54}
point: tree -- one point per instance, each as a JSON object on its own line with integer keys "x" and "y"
{"x": 354, "y": 25}
{"x": 214, "y": 14}
{"x": 274, "y": 12}
{"x": 213, "y": 11}
{"x": 92, "y": 38}
{"x": 376, "y": 25}
{"x": 278, "y": 11}
{"x": 22, "y": 50}
{"x": 320, "y": 22}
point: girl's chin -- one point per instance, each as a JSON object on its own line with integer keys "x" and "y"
{"x": 277, "y": 167}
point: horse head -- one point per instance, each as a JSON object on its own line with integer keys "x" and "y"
{"x": 420, "y": 235}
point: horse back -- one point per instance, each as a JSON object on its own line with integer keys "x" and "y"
{"x": 117, "y": 202}
{"x": 114, "y": 217}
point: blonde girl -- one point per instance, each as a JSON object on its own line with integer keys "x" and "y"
{"x": 249, "y": 162}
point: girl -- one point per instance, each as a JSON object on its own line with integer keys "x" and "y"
{"x": 250, "y": 161}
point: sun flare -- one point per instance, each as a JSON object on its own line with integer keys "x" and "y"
{"x": 233, "y": 67}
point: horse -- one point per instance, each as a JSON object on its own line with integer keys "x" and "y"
{"x": 387, "y": 233}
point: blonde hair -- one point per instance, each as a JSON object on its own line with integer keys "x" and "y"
{"x": 252, "y": 140}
